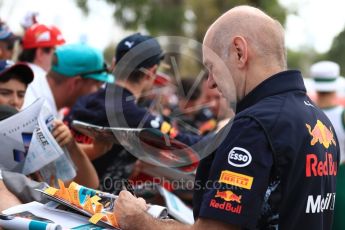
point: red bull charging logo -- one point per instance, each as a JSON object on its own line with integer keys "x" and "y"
{"x": 321, "y": 134}
{"x": 228, "y": 196}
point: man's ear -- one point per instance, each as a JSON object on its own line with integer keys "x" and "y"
{"x": 240, "y": 48}
{"x": 75, "y": 83}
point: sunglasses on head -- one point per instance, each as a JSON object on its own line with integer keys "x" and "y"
{"x": 104, "y": 69}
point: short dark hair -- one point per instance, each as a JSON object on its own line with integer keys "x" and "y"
{"x": 8, "y": 43}
{"x": 58, "y": 78}
{"x": 136, "y": 76}
{"x": 29, "y": 55}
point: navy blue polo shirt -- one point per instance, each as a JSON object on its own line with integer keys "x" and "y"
{"x": 277, "y": 165}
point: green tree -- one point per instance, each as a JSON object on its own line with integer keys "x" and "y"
{"x": 337, "y": 51}
{"x": 109, "y": 53}
{"x": 170, "y": 17}
{"x": 157, "y": 17}
{"x": 207, "y": 11}
{"x": 303, "y": 58}
{"x": 188, "y": 18}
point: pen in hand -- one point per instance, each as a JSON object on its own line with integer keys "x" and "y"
{"x": 127, "y": 185}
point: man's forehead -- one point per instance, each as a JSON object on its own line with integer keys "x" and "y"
{"x": 209, "y": 50}
{"x": 209, "y": 56}
{"x": 205, "y": 54}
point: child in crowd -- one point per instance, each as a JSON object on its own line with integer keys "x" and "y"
{"x": 14, "y": 79}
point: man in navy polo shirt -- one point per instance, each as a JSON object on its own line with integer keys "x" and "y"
{"x": 276, "y": 168}
{"x": 137, "y": 59}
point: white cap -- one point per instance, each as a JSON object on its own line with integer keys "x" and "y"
{"x": 326, "y": 75}
{"x": 29, "y": 19}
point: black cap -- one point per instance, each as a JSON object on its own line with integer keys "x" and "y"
{"x": 150, "y": 52}
{"x": 7, "y": 111}
{"x": 21, "y": 69}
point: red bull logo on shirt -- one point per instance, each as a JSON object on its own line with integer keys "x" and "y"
{"x": 316, "y": 167}
{"x": 321, "y": 134}
{"x": 228, "y": 196}
{"x": 226, "y": 206}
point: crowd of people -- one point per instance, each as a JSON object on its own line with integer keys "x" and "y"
{"x": 278, "y": 154}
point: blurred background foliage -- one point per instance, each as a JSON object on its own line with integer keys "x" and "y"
{"x": 191, "y": 18}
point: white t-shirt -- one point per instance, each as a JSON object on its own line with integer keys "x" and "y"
{"x": 39, "y": 87}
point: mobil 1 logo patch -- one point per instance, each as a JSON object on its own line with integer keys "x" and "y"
{"x": 239, "y": 157}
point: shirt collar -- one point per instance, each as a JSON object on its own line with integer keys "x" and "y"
{"x": 289, "y": 80}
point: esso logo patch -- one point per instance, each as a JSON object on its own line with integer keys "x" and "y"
{"x": 239, "y": 157}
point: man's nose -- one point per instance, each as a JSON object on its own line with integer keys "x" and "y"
{"x": 15, "y": 101}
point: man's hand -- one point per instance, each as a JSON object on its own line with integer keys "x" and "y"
{"x": 130, "y": 213}
{"x": 128, "y": 208}
{"x": 62, "y": 134}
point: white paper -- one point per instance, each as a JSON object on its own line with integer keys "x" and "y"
{"x": 16, "y": 133}
{"x": 63, "y": 218}
{"x": 157, "y": 211}
{"x": 42, "y": 142}
{"x": 176, "y": 207}
{"x": 28, "y": 145}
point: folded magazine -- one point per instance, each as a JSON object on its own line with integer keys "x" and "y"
{"x": 96, "y": 205}
{"x": 28, "y": 145}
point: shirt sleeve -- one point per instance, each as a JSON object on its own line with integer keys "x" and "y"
{"x": 239, "y": 176}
